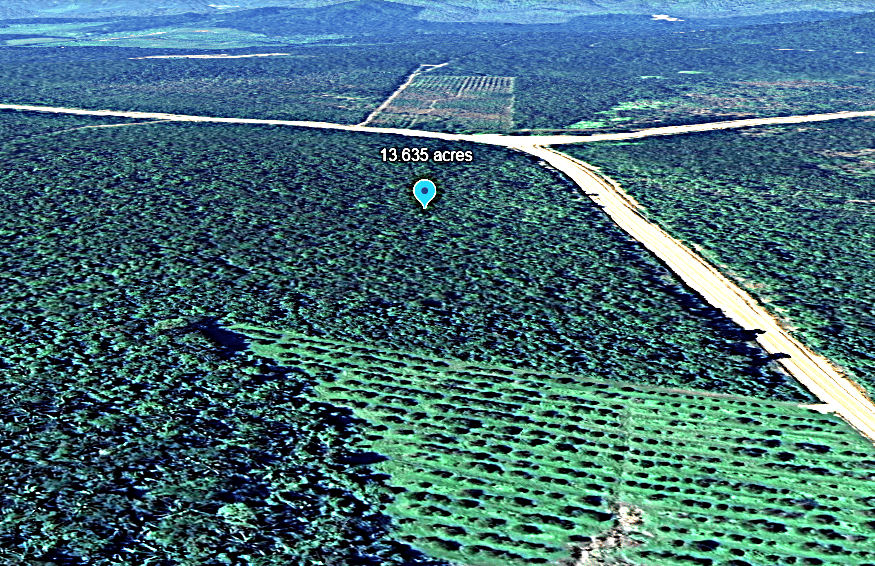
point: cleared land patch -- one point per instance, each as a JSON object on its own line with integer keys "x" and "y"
{"x": 216, "y": 56}
{"x": 452, "y": 102}
{"x": 501, "y": 466}
{"x": 735, "y": 100}
{"x": 252, "y": 253}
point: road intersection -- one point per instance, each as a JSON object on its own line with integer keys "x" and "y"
{"x": 836, "y": 393}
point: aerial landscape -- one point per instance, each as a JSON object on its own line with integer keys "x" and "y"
{"x": 437, "y": 283}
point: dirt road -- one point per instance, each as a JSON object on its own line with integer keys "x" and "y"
{"x": 491, "y": 139}
{"x": 389, "y": 100}
{"x": 187, "y": 118}
{"x": 839, "y": 394}
{"x": 711, "y": 126}
{"x": 836, "y": 393}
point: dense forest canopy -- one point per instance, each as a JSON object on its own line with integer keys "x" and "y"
{"x": 248, "y": 344}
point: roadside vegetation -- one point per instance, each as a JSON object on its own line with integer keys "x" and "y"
{"x": 319, "y": 83}
{"x": 604, "y": 83}
{"x": 594, "y": 74}
{"x": 251, "y": 345}
{"x": 133, "y": 421}
{"x": 788, "y": 212}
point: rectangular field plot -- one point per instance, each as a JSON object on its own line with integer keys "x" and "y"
{"x": 452, "y": 103}
{"x": 503, "y": 467}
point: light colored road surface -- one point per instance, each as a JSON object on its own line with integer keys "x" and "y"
{"x": 836, "y": 393}
{"x": 674, "y": 130}
{"x": 491, "y": 139}
{"x": 389, "y": 100}
{"x": 839, "y": 394}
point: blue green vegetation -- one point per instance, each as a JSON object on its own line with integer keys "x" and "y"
{"x": 573, "y": 81}
{"x": 503, "y": 268}
{"x": 583, "y": 75}
{"x": 123, "y": 247}
{"x": 321, "y": 85}
{"x": 355, "y": 20}
{"x": 414, "y": 380}
{"x": 503, "y": 467}
{"x": 787, "y": 211}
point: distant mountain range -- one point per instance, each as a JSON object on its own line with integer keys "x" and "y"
{"x": 519, "y": 11}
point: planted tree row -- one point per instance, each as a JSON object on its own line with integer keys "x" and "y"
{"x": 717, "y": 477}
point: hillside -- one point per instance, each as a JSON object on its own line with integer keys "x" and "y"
{"x": 519, "y": 11}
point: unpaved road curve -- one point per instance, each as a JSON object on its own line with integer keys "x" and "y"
{"x": 836, "y": 393}
{"x": 814, "y": 372}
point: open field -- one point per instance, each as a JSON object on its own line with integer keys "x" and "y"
{"x": 440, "y": 102}
{"x": 502, "y": 466}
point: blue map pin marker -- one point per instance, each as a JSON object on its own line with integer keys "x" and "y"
{"x": 424, "y": 190}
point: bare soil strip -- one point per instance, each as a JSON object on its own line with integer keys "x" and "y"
{"x": 602, "y": 550}
{"x": 840, "y": 394}
{"x": 837, "y": 393}
{"x": 389, "y": 100}
{"x": 215, "y": 56}
{"x": 492, "y": 139}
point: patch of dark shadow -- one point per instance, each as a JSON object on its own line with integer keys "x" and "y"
{"x": 57, "y": 556}
{"x": 239, "y": 488}
{"x": 8, "y": 36}
{"x": 126, "y": 487}
{"x": 228, "y": 342}
{"x": 295, "y": 381}
{"x": 815, "y": 448}
{"x": 738, "y": 341}
{"x": 337, "y": 453}
{"x": 381, "y": 303}
{"x": 763, "y": 360}
{"x": 341, "y": 420}
{"x": 372, "y": 531}
{"x": 60, "y": 362}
